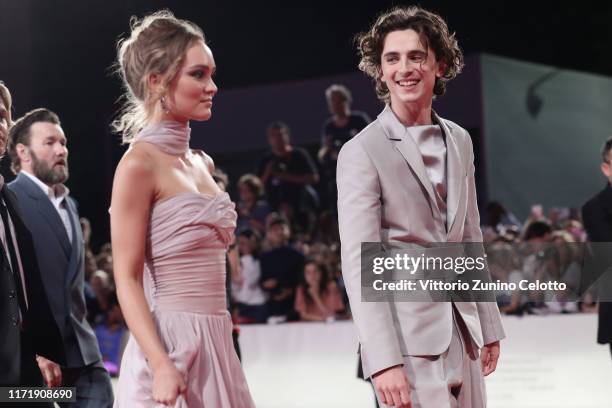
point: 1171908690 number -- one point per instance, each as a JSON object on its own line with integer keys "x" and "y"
{"x": 36, "y": 394}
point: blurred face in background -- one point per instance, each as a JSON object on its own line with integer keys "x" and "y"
{"x": 278, "y": 234}
{"x": 312, "y": 274}
{"x": 100, "y": 283}
{"x": 338, "y": 105}
{"x": 246, "y": 245}
{"x": 278, "y": 139}
{"x": 246, "y": 193}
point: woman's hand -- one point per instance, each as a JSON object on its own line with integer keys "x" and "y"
{"x": 168, "y": 383}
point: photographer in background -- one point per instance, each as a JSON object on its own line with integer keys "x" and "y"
{"x": 288, "y": 174}
{"x": 337, "y": 130}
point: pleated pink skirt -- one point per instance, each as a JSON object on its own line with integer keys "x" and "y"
{"x": 201, "y": 347}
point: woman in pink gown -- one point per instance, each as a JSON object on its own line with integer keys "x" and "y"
{"x": 169, "y": 215}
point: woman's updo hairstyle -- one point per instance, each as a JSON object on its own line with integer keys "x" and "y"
{"x": 157, "y": 45}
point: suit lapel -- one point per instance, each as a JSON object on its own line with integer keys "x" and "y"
{"x": 454, "y": 174}
{"x": 397, "y": 133}
{"x": 47, "y": 210}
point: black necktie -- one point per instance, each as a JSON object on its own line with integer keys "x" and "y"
{"x": 13, "y": 254}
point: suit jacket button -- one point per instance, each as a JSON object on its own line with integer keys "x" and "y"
{"x": 15, "y": 321}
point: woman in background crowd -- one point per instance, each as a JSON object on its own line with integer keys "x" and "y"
{"x": 317, "y": 297}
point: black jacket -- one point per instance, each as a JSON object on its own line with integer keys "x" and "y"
{"x": 37, "y": 323}
{"x": 597, "y": 217}
{"x": 62, "y": 268}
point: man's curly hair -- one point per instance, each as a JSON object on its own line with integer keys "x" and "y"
{"x": 434, "y": 34}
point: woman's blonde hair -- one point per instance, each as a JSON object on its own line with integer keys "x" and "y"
{"x": 157, "y": 45}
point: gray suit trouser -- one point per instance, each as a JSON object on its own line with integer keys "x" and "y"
{"x": 451, "y": 380}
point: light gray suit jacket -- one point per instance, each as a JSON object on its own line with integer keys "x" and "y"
{"x": 61, "y": 268}
{"x": 384, "y": 194}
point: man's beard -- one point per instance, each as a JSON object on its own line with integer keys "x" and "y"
{"x": 47, "y": 174}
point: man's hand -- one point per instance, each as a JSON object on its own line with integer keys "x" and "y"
{"x": 51, "y": 371}
{"x": 392, "y": 387}
{"x": 488, "y": 357}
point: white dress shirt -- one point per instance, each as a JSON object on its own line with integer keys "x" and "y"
{"x": 249, "y": 292}
{"x": 58, "y": 196}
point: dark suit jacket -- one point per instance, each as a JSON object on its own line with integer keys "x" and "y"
{"x": 62, "y": 268}
{"x": 38, "y": 325}
{"x": 597, "y": 217}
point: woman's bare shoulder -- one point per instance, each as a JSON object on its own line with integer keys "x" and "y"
{"x": 207, "y": 160}
{"x": 138, "y": 161}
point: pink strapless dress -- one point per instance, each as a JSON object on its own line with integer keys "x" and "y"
{"x": 185, "y": 279}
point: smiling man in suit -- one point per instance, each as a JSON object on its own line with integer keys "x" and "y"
{"x": 409, "y": 177}
{"x": 37, "y": 147}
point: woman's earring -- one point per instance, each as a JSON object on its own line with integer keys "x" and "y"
{"x": 162, "y": 101}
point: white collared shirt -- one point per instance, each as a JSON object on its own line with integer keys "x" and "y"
{"x": 58, "y": 197}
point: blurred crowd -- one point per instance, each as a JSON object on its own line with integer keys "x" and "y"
{"x": 545, "y": 247}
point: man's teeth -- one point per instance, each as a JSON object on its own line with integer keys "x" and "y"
{"x": 408, "y": 82}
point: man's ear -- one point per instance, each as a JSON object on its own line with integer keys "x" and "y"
{"x": 441, "y": 69}
{"x": 605, "y": 169}
{"x": 23, "y": 152}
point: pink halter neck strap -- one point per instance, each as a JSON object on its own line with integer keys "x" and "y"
{"x": 170, "y": 137}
